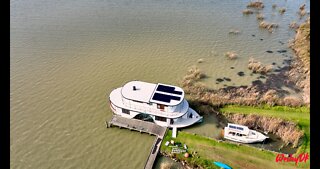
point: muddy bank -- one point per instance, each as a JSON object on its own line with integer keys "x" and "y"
{"x": 299, "y": 71}
{"x": 286, "y": 130}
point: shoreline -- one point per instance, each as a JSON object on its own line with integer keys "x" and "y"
{"x": 300, "y": 69}
{"x": 295, "y": 76}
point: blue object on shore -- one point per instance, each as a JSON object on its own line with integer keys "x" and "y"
{"x": 222, "y": 165}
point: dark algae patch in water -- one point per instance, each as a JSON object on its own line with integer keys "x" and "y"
{"x": 227, "y": 79}
{"x": 240, "y": 73}
{"x": 219, "y": 80}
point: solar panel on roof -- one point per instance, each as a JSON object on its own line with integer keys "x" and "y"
{"x": 164, "y": 97}
{"x": 168, "y": 89}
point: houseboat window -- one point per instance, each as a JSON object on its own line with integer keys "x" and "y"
{"x": 160, "y": 106}
{"x": 125, "y": 111}
{"x": 161, "y": 118}
{"x": 240, "y": 128}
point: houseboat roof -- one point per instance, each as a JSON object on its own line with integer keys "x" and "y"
{"x": 152, "y": 93}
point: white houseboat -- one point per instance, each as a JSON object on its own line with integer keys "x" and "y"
{"x": 242, "y": 134}
{"x": 163, "y": 104}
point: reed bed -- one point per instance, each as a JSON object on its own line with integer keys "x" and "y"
{"x": 291, "y": 101}
{"x": 258, "y": 67}
{"x": 270, "y": 97}
{"x": 247, "y": 12}
{"x": 294, "y": 25}
{"x": 302, "y": 12}
{"x": 302, "y": 7}
{"x": 256, "y": 4}
{"x": 269, "y": 26}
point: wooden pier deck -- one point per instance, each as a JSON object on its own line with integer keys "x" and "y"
{"x": 145, "y": 127}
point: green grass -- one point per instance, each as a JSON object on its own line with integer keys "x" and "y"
{"x": 241, "y": 156}
{"x": 236, "y": 156}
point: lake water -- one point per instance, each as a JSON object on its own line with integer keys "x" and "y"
{"x": 67, "y": 56}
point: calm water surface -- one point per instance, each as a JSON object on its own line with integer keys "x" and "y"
{"x": 67, "y": 56}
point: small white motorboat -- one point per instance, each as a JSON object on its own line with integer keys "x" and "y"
{"x": 242, "y": 134}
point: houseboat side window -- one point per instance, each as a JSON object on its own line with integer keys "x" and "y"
{"x": 160, "y": 106}
{"x": 125, "y": 111}
{"x": 160, "y": 118}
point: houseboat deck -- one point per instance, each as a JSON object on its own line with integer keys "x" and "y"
{"x": 142, "y": 126}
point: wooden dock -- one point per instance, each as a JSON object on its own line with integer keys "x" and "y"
{"x": 142, "y": 127}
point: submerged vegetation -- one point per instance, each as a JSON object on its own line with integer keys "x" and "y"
{"x": 256, "y": 4}
{"x": 247, "y": 11}
{"x": 267, "y": 25}
{"x": 260, "y": 16}
{"x": 200, "y": 60}
{"x": 294, "y": 25}
{"x": 234, "y": 32}
{"x": 231, "y": 55}
{"x": 282, "y": 10}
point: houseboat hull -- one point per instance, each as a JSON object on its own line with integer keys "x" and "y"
{"x": 180, "y": 122}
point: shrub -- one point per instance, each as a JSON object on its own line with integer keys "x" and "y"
{"x": 231, "y": 55}
{"x": 247, "y": 12}
{"x": 256, "y": 4}
{"x": 282, "y": 10}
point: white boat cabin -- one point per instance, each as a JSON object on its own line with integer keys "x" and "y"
{"x": 161, "y": 103}
{"x": 242, "y": 134}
